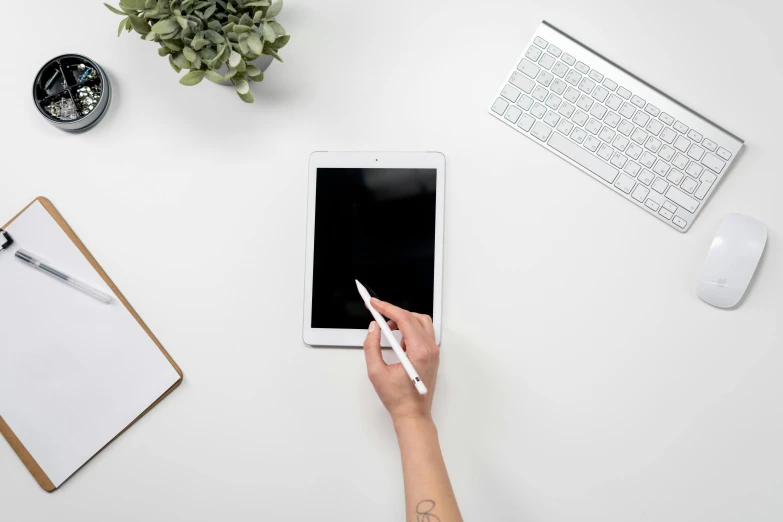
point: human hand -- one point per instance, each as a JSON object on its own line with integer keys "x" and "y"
{"x": 390, "y": 381}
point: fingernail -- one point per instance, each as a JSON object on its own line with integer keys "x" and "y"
{"x": 375, "y": 300}
{"x": 372, "y": 327}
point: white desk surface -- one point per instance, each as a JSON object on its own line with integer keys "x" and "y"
{"x": 582, "y": 378}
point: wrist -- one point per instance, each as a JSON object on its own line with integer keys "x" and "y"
{"x": 413, "y": 423}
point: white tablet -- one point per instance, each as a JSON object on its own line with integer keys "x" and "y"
{"x": 376, "y": 217}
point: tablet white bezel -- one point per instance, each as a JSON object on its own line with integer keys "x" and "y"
{"x": 411, "y": 160}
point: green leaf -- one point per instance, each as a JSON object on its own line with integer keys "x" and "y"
{"x": 230, "y": 7}
{"x": 213, "y": 36}
{"x": 151, "y": 36}
{"x": 192, "y": 78}
{"x": 274, "y": 9}
{"x": 258, "y": 17}
{"x": 280, "y": 42}
{"x": 234, "y": 59}
{"x": 199, "y": 43}
{"x": 123, "y": 23}
{"x": 181, "y": 61}
{"x": 190, "y": 54}
{"x": 252, "y": 70}
{"x": 215, "y": 26}
{"x": 166, "y": 26}
{"x": 261, "y": 3}
{"x": 241, "y": 28}
{"x": 243, "y": 87}
{"x": 230, "y": 73}
{"x": 243, "y": 46}
{"x": 134, "y": 5}
{"x": 271, "y": 52}
{"x": 215, "y": 77}
{"x": 174, "y": 45}
{"x": 209, "y": 11}
{"x": 247, "y": 98}
{"x": 183, "y": 23}
{"x": 115, "y": 10}
{"x": 255, "y": 44}
{"x": 277, "y": 28}
{"x": 174, "y": 66}
{"x": 163, "y": 51}
{"x": 139, "y": 25}
{"x": 269, "y": 33}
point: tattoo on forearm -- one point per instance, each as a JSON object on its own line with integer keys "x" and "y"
{"x": 424, "y": 511}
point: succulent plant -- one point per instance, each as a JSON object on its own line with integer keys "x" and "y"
{"x": 203, "y": 36}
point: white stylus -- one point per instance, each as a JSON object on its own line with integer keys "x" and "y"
{"x": 392, "y": 340}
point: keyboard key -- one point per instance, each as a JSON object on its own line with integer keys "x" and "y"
{"x": 540, "y": 42}
{"x": 675, "y": 176}
{"x": 625, "y": 183}
{"x": 512, "y": 114}
{"x": 688, "y": 185}
{"x": 538, "y": 110}
{"x": 652, "y": 109}
{"x": 639, "y": 136}
{"x": 526, "y": 122}
{"x": 682, "y": 199}
{"x": 610, "y": 84}
{"x": 547, "y": 61}
{"x": 669, "y": 206}
{"x": 612, "y": 119}
{"x": 567, "y": 58}
{"x": 599, "y": 111}
{"x": 618, "y": 160}
{"x": 605, "y": 151}
{"x": 584, "y": 103}
{"x": 560, "y": 69}
{"x": 510, "y": 93}
{"x": 578, "y": 135}
{"x": 653, "y": 144}
{"x": 709, "y": 145}
{"x": 682, "y": 143}
{"x": 541, "y": 131}
{"x": 525, "y": 84}
{"x": 545, "y": 78}
{"x": 614, "y": 102}
{"x": 680, "y": 127}
{"x": 500, "y": 106}
{"x": 654, "y": 127}
{"x": 620, "y": 143}
{"x": 696, "y": 152}
{"x": 695, "y": 136}
{"x": 666, "y": 153}
{"x": 582, "y": 67}
{"x": 647, "y": 159}
{"x": 551, "y": 119}
{"x": 677, "y": 220}
{"x": 566, "y": 109}
{"x": 525, "y": 102}
{"x": 633, "y": 150}
{"x": 593, "y": 126}
{"x": 661, "y": 168}
{"x": 558, "y": 86}
{"x": 641, "y": 118}
{"x": 639, "y": 193}
{"x": 580, "y": 118}
{"x": 596, "y": 76}
{"x": 572, "y": 95}
{"x": 694, "y": 169}
{"x": 723, "y": 153}
{"x": 668, "y": 135}
{"x": 527, "y": 68}
{"x": 540, "y": 93}
{"x": 573, "y": 77}
{"x": 638, "y": 101}
{"x": 646, "y": 177}
{"x": 632, "y": 169}
{"x": 592, "y": 143}
{"x": 667, "y": 119}
{"x": 704, "y": 187}
{"x": 607, "y": 134}
{"x": 679, "y": 161}
{"x": 713, "y": 163}
{"x": 625, "y": 127}
{"x": 627, "y": 110}
{"x": 659, "y": 185}
{"x": 586, "y": 85}
{"x": 652, "y": 205}
{"x": 554, "y": 50}
{"x": 600, "y": 93}
{"x": 533, "y": 53}
{"x": 565, "y": 127}
{"x": 553, "y": 102}
{"x": 665, "y": 213}
{"x": 624, "y": 93}
{"x": 583, "y": 158}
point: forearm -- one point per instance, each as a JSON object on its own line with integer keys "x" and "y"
{"x": 428, "y": 493}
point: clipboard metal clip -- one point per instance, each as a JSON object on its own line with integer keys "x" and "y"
{"x": 5, "y": 240}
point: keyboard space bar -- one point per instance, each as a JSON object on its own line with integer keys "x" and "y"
{"x": 564, "y": 146}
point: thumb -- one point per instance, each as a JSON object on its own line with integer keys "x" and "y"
{"x": 372, "y": 350}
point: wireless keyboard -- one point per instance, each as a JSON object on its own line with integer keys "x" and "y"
{"x": 644, "y": 145}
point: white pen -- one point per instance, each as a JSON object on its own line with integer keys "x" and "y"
{"x": 33, "y": 261}
{"x": 392, "y": 340}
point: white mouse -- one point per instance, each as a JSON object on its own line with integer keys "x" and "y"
{"x": 733, "y": 257}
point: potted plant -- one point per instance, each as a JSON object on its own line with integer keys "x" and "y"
{"x": 216, "y": 39}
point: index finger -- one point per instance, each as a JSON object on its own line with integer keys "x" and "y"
{"x": 403, "y": 318}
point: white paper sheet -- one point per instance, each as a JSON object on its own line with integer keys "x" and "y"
{"x": 74, "y": 372}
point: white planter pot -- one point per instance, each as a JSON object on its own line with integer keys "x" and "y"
{"x": 262, "y": 62}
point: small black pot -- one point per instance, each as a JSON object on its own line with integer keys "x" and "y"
{"x": 61, "y": 78}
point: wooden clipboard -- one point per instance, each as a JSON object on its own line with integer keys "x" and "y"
{"x": 27, "y": 459}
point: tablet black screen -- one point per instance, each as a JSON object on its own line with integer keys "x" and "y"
{"x": 377, "y": 226}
